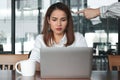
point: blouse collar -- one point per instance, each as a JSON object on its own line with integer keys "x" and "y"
{"x": 62, "y": 41}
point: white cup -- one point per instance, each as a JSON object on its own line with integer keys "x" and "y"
{"x": 27, "y": 67}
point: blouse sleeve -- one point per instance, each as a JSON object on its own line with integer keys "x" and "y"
{"x": 80, "y": 40}
{"x": 35, "y": 54}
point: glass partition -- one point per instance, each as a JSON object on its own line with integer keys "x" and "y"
{"x": 5, "y": 26}
{"x": 26, "y": 25}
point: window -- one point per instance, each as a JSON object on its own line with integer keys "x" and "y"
{"x": 5, "y": 25}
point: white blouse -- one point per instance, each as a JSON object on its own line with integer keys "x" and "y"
{"x": 39, "y": 43}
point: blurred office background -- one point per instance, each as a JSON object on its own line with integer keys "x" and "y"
{"x": 21, "y": 21}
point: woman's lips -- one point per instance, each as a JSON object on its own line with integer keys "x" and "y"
{"x": 58, "y": 29}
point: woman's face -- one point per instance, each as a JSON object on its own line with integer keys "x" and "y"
{"x": 58, "y": 22}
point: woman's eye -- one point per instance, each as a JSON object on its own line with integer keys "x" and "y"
{"x": 53, "y": 19}
{"x": 63, "y": 19}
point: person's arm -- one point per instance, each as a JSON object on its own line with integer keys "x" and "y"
{"x": 104, "y": 11}
{"x": 80, "y": 40}
{"x": 35, "y": 53}
{"x": 110, "y": 11}
{"x": 90, "y": 13}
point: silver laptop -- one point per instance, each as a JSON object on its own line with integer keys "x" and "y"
{"x": 66, "y": 62}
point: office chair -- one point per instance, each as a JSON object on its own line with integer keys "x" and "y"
{"x": 8, "y": 61}
{"x": 114, "y": 62}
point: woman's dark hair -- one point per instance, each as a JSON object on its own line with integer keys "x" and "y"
{"x": 48, "y": 35}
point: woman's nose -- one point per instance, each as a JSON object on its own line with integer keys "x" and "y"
{"x": 59, "y": 22}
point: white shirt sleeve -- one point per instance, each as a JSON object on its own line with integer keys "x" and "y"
{"x": 80, "y": 40}
{"x": 110, "y": 11}
{"x": 35, "y": 54}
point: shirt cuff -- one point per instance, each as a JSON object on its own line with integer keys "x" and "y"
{"x": 103, "y": 10}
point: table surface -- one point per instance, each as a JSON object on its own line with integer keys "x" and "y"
{"x": 96, "y": 75}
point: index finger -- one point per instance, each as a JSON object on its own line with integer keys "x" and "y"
{"x": 80, "y": 11}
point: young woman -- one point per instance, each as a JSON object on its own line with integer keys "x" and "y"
{"x": 57, "y": 31}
